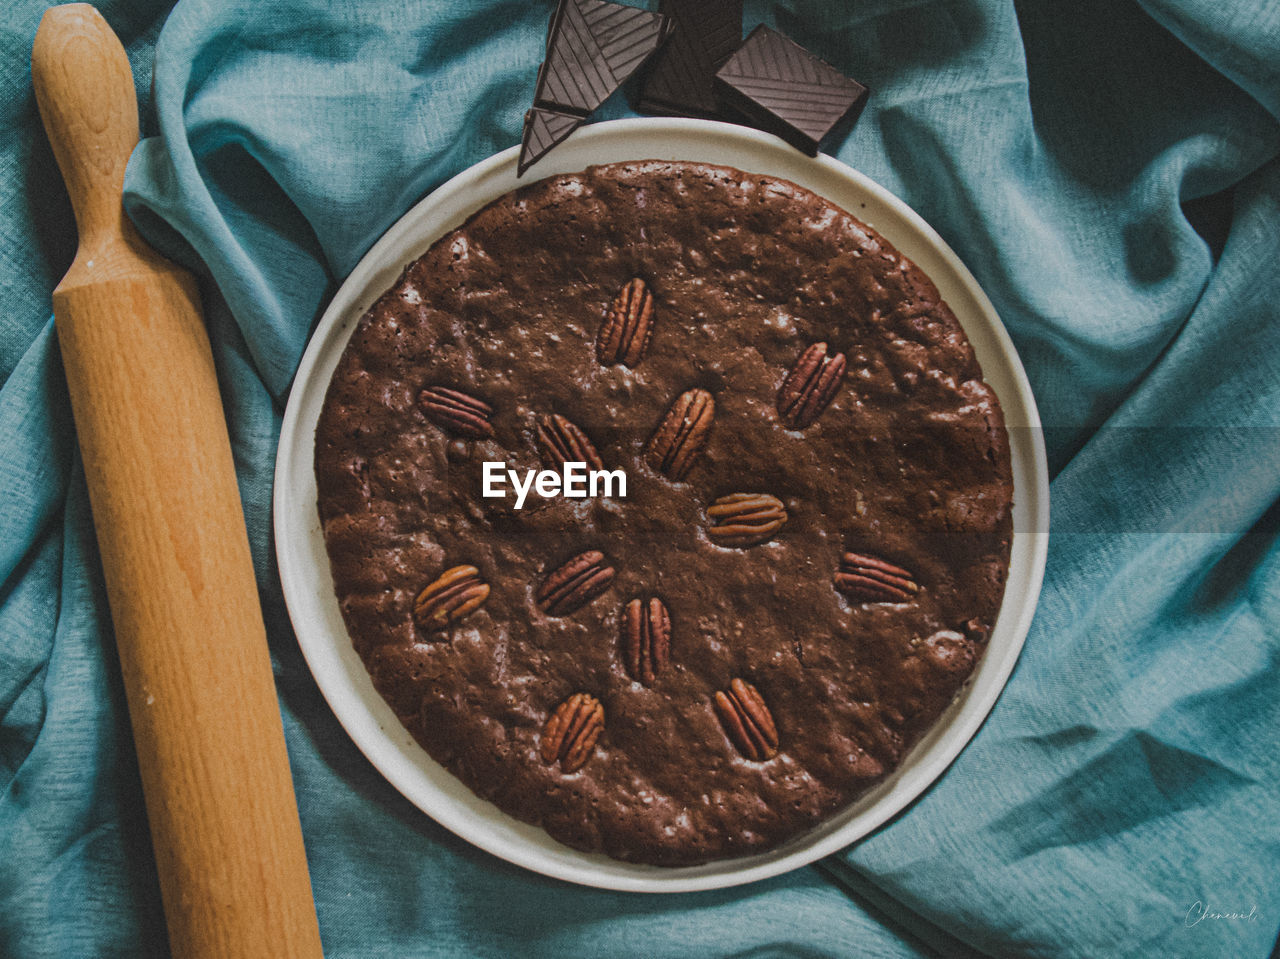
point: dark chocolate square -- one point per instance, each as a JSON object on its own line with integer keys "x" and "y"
{"x": 781, "y": 87}
{"x": 680, "y": 79}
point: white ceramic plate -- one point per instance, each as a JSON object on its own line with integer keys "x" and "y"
{"x": 304, "y": 565}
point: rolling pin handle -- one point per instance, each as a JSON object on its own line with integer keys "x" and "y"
{"x": 84, "y": 88}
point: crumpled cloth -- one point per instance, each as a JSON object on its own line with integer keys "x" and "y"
{"x": 1107, "y": 169}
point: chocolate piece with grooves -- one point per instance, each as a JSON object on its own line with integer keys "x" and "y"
{"x": 781, "y": 87}
{"x": 593, "y": 46}
{"x": 680, "y": 79}
{"x": 543, "y": 129}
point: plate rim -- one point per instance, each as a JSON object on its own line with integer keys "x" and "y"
{"x": 386, "y": 749}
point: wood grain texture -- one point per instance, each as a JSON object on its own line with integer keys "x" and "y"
{"x": 175, "y": 553}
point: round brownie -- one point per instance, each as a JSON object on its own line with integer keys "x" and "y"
{"x": 810, "y": 554}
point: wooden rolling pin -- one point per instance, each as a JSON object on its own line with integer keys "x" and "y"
{"x": 175, "y": 554}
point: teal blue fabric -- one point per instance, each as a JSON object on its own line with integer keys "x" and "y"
{"x": 1109, "y": 170}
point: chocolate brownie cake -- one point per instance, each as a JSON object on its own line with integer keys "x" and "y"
{"x": 810, "y": 554}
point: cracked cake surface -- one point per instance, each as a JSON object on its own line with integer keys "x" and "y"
{"x": 812, "y": 548}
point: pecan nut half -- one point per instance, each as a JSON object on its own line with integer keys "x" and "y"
{"x": 452, "y": 595}
{"x": 873, "y": 580}
{"x": 810, "y": 386}
{"x": 560, "y": 441}
{"x": 575, "y": 584}
{"x": 747, "y": 721}
{"x": 457, "y": 412}
{"x": 628, "y": 325}
{"x": 745, "y": 519}
{"x": 681, "y": 435}
{"x": 646, "y": 638}
{"x": 571, "y": 733}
